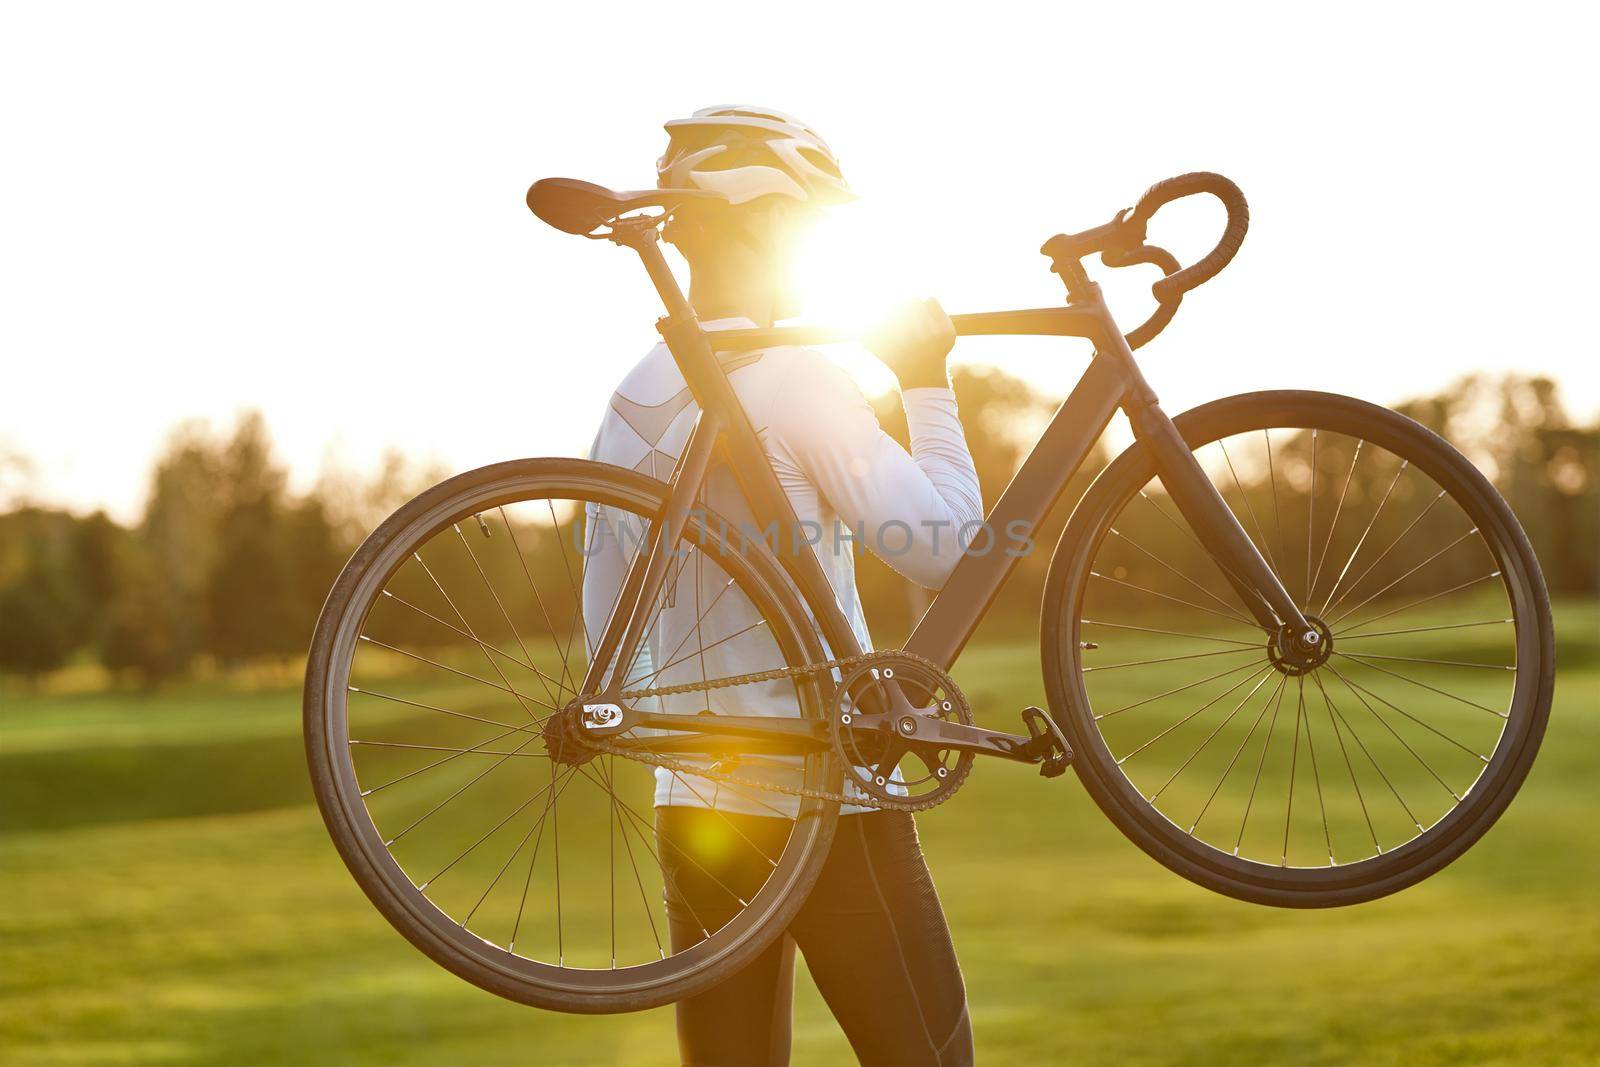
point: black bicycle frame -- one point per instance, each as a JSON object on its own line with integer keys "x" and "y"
{"x": 723, "y": 432}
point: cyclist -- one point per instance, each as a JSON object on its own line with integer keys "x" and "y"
{"x": 873, "y": 931}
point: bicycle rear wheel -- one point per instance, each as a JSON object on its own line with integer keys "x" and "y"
{"x": 522, "y": 864}
{"x": 1309, "y": 784}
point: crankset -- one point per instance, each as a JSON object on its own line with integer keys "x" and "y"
{"x": 901, "y": 727}
{"x": 885, "y": 724}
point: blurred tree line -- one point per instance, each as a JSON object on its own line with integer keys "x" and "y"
{"x": 227, "y": 565}
{"x": 1513, "y": 427}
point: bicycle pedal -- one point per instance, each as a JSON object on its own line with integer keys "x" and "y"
{"x": 1049, "y": 744}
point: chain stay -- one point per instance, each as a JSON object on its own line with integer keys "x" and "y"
{"x": 776, "y": 674}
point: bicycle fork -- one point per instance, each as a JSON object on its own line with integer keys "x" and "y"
{"x": 1198, "y": 500}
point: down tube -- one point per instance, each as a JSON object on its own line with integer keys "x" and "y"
{"x": 955, "y": 613}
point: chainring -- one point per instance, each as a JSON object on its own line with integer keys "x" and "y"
{"x": 883, "y": 767}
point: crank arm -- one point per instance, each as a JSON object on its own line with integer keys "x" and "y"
{"x": 937, "y": 733}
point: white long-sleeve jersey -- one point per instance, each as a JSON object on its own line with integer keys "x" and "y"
{"x": 853, "y": 488}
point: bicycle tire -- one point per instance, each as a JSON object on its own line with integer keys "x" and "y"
{"x": 1158, "y": 835}
{"x": 339, "y": 798}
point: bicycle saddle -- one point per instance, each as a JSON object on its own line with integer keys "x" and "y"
{"x": 579, "y": 207}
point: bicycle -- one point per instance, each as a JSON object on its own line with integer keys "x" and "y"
{"x": 1194, "y": 595}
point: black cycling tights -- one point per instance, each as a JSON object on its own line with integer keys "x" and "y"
{"x": 872, "y": 931}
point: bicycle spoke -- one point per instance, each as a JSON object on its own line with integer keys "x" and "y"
{"x": 620, "y": 805}
{"x": 1246, "y": 680}
{"x": 685, "y": 638}
{"x": 1277, "y": 515}
{"x": 440, "y": 763}
{"x": 1172, "y": 692}
{"x": 1311, "y": 514}
{"x": 1169, "y": 633}
{"x": 1401, "y": 536}
{"x": 1266, "y": 743}
{"x": 555, "y": 818}
{"x": 1181, "y": 528}
{"x": 1294, "y": 751}
{"x": 527, "y": 658}
{"x": 486, "y": 646}
{"x": 566, "y": 565}
{"x": 1439, "y": 662}
{"x": 1350, "y": 767}
{"x": 516, "y": 926}
{"x": 700, "y": 613}
{"x": 1383, "y": 560}
{"x": 644, "y": 900}
{"x": 1363, "y": 538}
{"x": 1208, "y": 740}
{"x": 743, "y": 903}
{"x": 463, "y": 674}
{"x": 611, "y": 859}
{"x": 1349, "y": 611}
{"x": 1316, "y": 778}
{"x": 537, "y": 823}
{"x": 1249, "y": 508}
{"x": 493, "y": 663}
{"x": 1180, "y": 574}
{"x": 464, "y": 840}
{"x": 1171, "y": 659}
{"x": 1361, "y": 660}
{"x": 1372, "y": 759}
{"x": 1277, "y": 695}
{"x": 659, "y": 608}
{"x": 710, "y": 806}
{"x": 1393, "y": 733}
{"x": 1334, "y": 524}
{"x": 1164, "y": 596}
{"x": 1425, "y": 629}
{"x": 1428, "y": 599}
{"x": 1395, "y": 708}
{"x": 738, "y": 633}
{"x": 565, "y": 653}
{"x": 480, "y": 776}
{"x": 491, "y": 832}
{"x": 442, "y": 711}
{"x": 446, "y": 748}
{"x": 595, "y": 529}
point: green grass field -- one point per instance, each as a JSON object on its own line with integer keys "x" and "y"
{"x": 171, "y": 898}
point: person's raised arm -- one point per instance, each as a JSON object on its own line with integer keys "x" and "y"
{"x": 911, "y": 509}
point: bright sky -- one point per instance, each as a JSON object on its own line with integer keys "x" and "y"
{"x": 316, "y": 209}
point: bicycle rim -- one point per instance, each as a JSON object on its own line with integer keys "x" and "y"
{"x": 453, "y": 635}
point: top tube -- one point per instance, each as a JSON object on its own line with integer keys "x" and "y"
{"x": 1064, "y": 321}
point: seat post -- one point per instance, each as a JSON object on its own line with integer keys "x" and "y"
{"x": 642, "y": 237}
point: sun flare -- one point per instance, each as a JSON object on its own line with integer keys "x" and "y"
{"x": 848, "y": 277}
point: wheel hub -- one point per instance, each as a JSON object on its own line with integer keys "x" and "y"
{"x": 563, "y": 734}
{"x": 1296, "y": 652}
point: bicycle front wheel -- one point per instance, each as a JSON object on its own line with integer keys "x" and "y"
{"x": 507, "y": 852}
{"x": 1302, "y": 784}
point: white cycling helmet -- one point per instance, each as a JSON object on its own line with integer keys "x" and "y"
{"x": 745, "y": 153}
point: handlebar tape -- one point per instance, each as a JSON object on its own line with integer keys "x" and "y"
{"x": 1168, "y": 263}
{"x": 1164, "y": 192}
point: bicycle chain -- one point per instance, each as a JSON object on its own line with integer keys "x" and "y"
{"x": 775, "y": 674}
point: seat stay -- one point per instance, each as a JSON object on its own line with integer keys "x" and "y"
{"x": 630, "y": 619}
{"x": 746, "y": 457}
